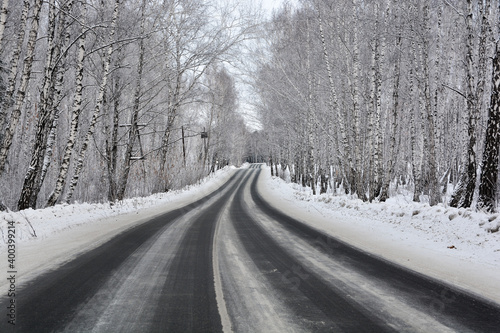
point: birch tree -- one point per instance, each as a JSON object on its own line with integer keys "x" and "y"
{"x": 98, "y": 105}
{"x": 3, "y": 19}
{"x": 25, "y": 78}
{"x": 464, "y": 192}
{"x": 133, "y": 134}
{"x": 75, "y": 114}
{"x": 395, "y": 110}
{"x": 488, "y": 187}
{"x": 47, "y": 106}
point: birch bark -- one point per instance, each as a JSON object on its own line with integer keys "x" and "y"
{"x": 355, "y": 84}
{"x": 334, "y": 106}
{"x": 488, "y": 186}
{"x": 464, "y": 192}
{"x": 3, "y": 19}
{"x": 98, "y": 106}
{"x": 489, "y": 171}
{"x": 134, "y": 131}
{"x": 389, "y": 171}
{"x": 434, "y": 193}
{"x": 28, "y": 193}
{"x": 6, "y": 137}
{"x": 75, "y": 114}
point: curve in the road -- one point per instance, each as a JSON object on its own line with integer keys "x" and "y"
{"x": 49, "y": 302}
{"x": 317, "y": 305}
{"x": 460, "y": 309}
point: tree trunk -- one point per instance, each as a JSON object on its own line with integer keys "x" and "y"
{"x": 98, "y": 106}
{"x": 356, "y": 137}
{"x": 29, "y": 192}
{"x": 434, "y": 194}
{"x": 464, "y": 192}
{"x": 14, "y": 63}
{"x": 21, "y": 91}
{"x": 134, "y": 131}
{"x": 389, "y": 170}
{"x": 112, "y": 145}
{"x": 415, "y": 139}
{"x": 489, "y": 171}
{"x": 334, "y": 106}
{"x": 3, "y": 19}
{"x": 75, "y": 114}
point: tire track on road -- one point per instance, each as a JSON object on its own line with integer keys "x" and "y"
{"x": 316, "y": 305}
{"x": 51, "y": 301}
{"x": 450, "y": 306}
{"x": 188, "y": 301}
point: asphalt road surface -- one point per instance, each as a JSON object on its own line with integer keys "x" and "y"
{"x": 232, "y": 262}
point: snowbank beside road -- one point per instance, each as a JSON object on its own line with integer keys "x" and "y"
{"x": 449, "y": 244}
{"x": 45, "y": 223}
{"x": 65, "y": 231}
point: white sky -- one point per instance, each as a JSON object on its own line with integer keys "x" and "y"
{"x": 269, "y": 5}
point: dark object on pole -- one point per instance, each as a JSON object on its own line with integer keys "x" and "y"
{"x": 183, "y": 146}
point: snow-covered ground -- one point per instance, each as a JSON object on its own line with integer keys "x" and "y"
{"x": 45, "y": 223}
{"x": 459, "y": 246}
{"x": 454, "y": 245}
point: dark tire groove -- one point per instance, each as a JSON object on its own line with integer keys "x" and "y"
{"x": 188, "y": 300}
{"x": 49, "y": 302}
{"x": 319, "y": 306}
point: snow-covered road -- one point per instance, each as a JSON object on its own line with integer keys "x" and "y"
{"x": 231, "y": 261}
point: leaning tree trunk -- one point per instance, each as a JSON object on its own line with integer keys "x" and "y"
{"x": 75, "y": 114}
{"x": 97, "y": 109}
{"x": 28, "y": 194}
{"x": 56, "y": 89}
{"x": 14, "y": 62}
{"x": 25, "y": 78}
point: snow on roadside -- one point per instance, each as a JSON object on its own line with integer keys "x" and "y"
{"x": 471, "y": 234}
{"x": 43, "y": 223}
{"x": 456, "y": 246}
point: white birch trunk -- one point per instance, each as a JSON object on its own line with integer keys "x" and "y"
{"x": 3, "y": 19}
{"x": 356, "y": 138}
{"x": 134, "y": 131}
{"x": 75, "y": 114}
{"x": 434, "y": 193}
{"x": 389, "y": 170}
{"x": 14, "y": 63}
{"x": 97, "y": 109}
{"x": 334, "y": 106}
{"x": 310, "y": 170}
{"x": 21, "y": 91}
{"x": 415, "y": 140}
{"x": 464, "y": 191}
{"x": 28, "y": 194}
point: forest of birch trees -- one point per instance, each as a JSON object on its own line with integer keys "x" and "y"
{"x": 101, "y": 100}
{"x": 366, "y": 96}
